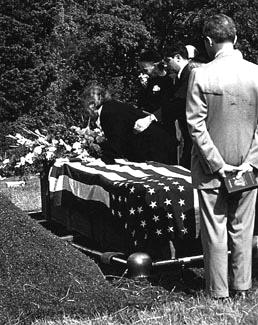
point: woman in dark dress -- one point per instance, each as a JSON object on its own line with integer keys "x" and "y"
{"x": 117, "y": 121}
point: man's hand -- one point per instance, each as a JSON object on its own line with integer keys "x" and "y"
{"x": 227, "y": 169}
{"x": 245, "y": 167}
{"x": 143, "y": 123}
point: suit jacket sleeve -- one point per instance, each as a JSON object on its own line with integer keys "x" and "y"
{"x": 117, "y": 121}
{"x": 196, "y": 111}
{"x": 252, "y": 156}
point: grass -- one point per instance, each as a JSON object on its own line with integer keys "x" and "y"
{"x": 27, "y": 197}
{"x": 166, "y": 299}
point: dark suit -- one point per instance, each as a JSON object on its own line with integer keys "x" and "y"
{"x": 176, "y": 110}
{"x": 156, "y": 102}
{"x": 117, "y": 121}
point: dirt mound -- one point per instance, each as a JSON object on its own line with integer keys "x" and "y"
{"x": 42, "y": 276}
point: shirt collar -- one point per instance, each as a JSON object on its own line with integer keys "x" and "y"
{"x": 181, "y": 70}
{"x": 223, "y": 52}
{"x": 98, "y": 119}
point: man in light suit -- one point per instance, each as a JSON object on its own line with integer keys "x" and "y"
{"x": 222, "y": 113}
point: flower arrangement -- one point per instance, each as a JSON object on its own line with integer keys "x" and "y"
{"x": 143, "y": 77}
{"x": 43, "y": 147}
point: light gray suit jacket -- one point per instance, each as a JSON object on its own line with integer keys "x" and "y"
{"x": 222, "y": 114}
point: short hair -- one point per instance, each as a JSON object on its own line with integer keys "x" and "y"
{"x": 180, "y": 49}
{"x": 150, "y": 56}
{"x": 220, "y": 28}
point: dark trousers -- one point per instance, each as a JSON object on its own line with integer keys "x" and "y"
{"x": 185, "y": 159}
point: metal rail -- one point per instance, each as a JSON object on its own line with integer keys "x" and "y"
{"x": 139, "y": 264}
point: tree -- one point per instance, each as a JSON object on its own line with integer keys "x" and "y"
{"x": 171, "y": 21}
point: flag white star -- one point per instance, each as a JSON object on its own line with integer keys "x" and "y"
{"x": 184, "y": 231}
{"x": 182, "y": 216}
{"x": 140, "y": 210}
{"x": 135, "y": 243}
{"x": 153, "y": 204}
{"x": 125, "y": 199}
{"x": 119, "y": 198}
{"x": 143, "y": 223}
{"x": 158, "y": 232}
{"x": 145, "y": 236}
{"x": 113, "y": 196}
{"x": 132, "y": 189}
{"x": 169, "y": 215}
{"x": 155, "y": 218}
{"x": 132, "y": 211}
{"x": 151, "y": 191}
{"x": 119, "y": 214}
{"x": 181, "y": 202}
{"x": 181, "y": 188}
{"x": 113, "y": 212}
{"x": 167, "y": 201}
{"x": 170, "y": 229}
{"x": 166, "y": 188}
{"x": 125, "y": 225}
{"x": 133, "y": 233}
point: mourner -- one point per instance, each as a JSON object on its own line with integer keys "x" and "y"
{"x": 222, "y": 113}
{"x": 117, "y": 121}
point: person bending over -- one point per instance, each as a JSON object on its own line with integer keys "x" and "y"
{"x": 117, "y": 120}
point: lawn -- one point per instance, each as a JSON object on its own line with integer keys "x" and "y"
{"x": 173, "y": 297}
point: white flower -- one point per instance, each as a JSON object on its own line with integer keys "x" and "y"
{"x": 54, "y": 142}
{"x": 49, "y": 155}
{"x": 38, "y": 150}
{"x": 21, "y": 162}
{"x": 42, "y": 140}
{"x": 156, "y": 88}
{"x": 18, "y": 136}
{"x": 143, "y": 78}
{"x": 6, "y": 161}
{"x": 21, "y": 140}
{"x": 51, "y": 148}
{"x": 84, "y": 154}
{"x": 29, "y": 158}
{"x": 68, "y": 147}
{"x": 75, "y": 128}
{"x": 77, "y": 145}
{"x": 38, "y": 133}
{"x": 28, "y": 143}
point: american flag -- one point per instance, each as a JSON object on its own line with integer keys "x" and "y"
{"x": 154, "y": 201}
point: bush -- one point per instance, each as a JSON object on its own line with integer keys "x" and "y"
{"x": 44, "y": 277}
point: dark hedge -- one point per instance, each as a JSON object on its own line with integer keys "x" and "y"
{"x": 43, "y": 277}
